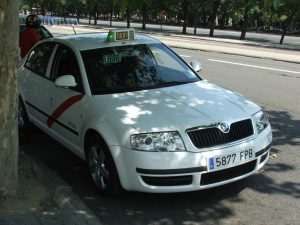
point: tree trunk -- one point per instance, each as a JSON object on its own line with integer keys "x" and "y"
{"x": 111, "y": 16}
{"x": 243, "y": 34}
{"x": 185, "y": 15}
{"x": 78, "y": 15}
{"x": 288, "y": 23}
{"x": 204, "y": 17}
{"x": 196, "y": 22}
{"x": 216, "y": 4}
{"x": 95, "y": 12}
{"x": 145, "y": 9}
{"x": 9, "y": 56}
{"x": 245, "y": 21}
{"x": 128, "y": 16}
{"x": 95, "y": 18}
{"x": 223, "y": 20}
{"x": 282, "y": 37}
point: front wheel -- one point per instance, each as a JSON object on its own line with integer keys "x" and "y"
{"x": 102, "y": 168}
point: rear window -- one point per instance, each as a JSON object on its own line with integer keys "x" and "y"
{"x": 39, "y": 57}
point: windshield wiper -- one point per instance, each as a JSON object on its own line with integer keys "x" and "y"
{"x": 173, "y": 83}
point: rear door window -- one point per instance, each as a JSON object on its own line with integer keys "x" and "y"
{"x": 39, "y": 57}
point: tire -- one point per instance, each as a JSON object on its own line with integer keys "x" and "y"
{"x": 102, "y": 168}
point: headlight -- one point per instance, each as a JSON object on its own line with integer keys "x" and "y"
{"x": 261, "y": 121}
{"x": 157, "y": 142}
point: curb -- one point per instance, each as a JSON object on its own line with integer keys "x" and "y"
{"x": 64, "y": 197}
{"x": 222, "y": 40}
{"x": 237, "y": 54}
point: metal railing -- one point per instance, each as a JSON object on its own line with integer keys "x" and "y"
{"x": 52, "y": 20}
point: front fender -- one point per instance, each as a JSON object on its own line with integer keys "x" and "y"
{"x": 111, "y": 128}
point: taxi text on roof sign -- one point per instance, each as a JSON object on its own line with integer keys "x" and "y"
{"x": 121, "y": 35}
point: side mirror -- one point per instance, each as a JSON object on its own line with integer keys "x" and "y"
{"x": 196, "y": 65}
{"x": 65, "y": 81}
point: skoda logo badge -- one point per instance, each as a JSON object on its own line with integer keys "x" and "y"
{"x": 224, "y": 127}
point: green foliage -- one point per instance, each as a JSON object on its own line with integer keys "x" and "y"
{"x": 199, "y": 11}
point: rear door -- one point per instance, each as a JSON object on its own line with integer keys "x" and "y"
{"x": 35, "y": 82}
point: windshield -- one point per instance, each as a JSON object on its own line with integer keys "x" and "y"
{"x": 134, "y": 67}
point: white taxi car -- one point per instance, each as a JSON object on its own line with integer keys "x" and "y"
{"x": 141, "y": 117}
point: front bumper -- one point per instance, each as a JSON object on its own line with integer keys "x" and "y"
{"x": 166, "y": 172}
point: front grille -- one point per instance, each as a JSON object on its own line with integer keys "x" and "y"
{"x": 227, "y": 174}
{"x": 213, "y": 136}
{"x": 168, "y": 181}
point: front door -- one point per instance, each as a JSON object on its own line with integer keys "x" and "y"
{"x": 68, "y": 104}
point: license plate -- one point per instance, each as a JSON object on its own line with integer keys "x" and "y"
{"x": 230, "y": 159}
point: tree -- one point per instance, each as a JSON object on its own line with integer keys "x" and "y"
{"x": 285, "y": 11}
{"x": 145, "y": 14}
{"x": 51, "y": 5}
{"x": 270, "y": 12}
{"x": 226, "y": 12}
{"x": 9, "y": 56}
{"x": 30, "y": 4}
{"x": 89, "y": 8}
{"x": 128, "y": 15}
{"x": 244, "y": 20}
{"x": 195, "y": 13}
{"x": 291, "y": 9}
{"x": 75, "y": 7}
{"x": 95, "y": 11}
{"x": 159, "y": 10}
{"x": 125, "y": 6}
{"x": 216, "y": 4}
{"x": 246, "y": 10}
{"x": 111, "y": 13}
{"x": 185, "y": 5}
{"x": 129, "y": 6}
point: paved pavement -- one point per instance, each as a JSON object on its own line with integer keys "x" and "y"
{"x": 71, "y": 209}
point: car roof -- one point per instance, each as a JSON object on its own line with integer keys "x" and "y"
{"x": 98, "y": 40}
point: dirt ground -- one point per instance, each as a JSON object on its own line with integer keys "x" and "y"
{"x": 32, "y": 196}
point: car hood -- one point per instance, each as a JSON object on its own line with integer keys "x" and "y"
{"x": 178, "y": 107}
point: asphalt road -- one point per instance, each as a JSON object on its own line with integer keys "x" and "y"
{"x": 286, "y": 53}
{"x": 203, "y": 32}
{"x": 269, "y": 197}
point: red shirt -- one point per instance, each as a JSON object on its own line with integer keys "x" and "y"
{"x": 28, "y": 38}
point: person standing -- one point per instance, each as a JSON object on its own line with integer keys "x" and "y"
{"x": 29, "y": 36}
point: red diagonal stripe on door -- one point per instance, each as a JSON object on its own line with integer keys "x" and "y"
{"x": 62, "y": 108}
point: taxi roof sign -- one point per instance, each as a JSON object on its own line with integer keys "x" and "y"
{"x": 121, "y": 35}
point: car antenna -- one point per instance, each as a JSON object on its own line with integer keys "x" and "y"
{"x": 74, "y": 28}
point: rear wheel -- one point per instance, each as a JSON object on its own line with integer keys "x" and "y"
{"x": 24, "y": 124}
{"x": 102, "y": 168}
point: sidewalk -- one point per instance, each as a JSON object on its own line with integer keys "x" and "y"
{"x": 227, "y": 45}
{"x": 44, "y": 199}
